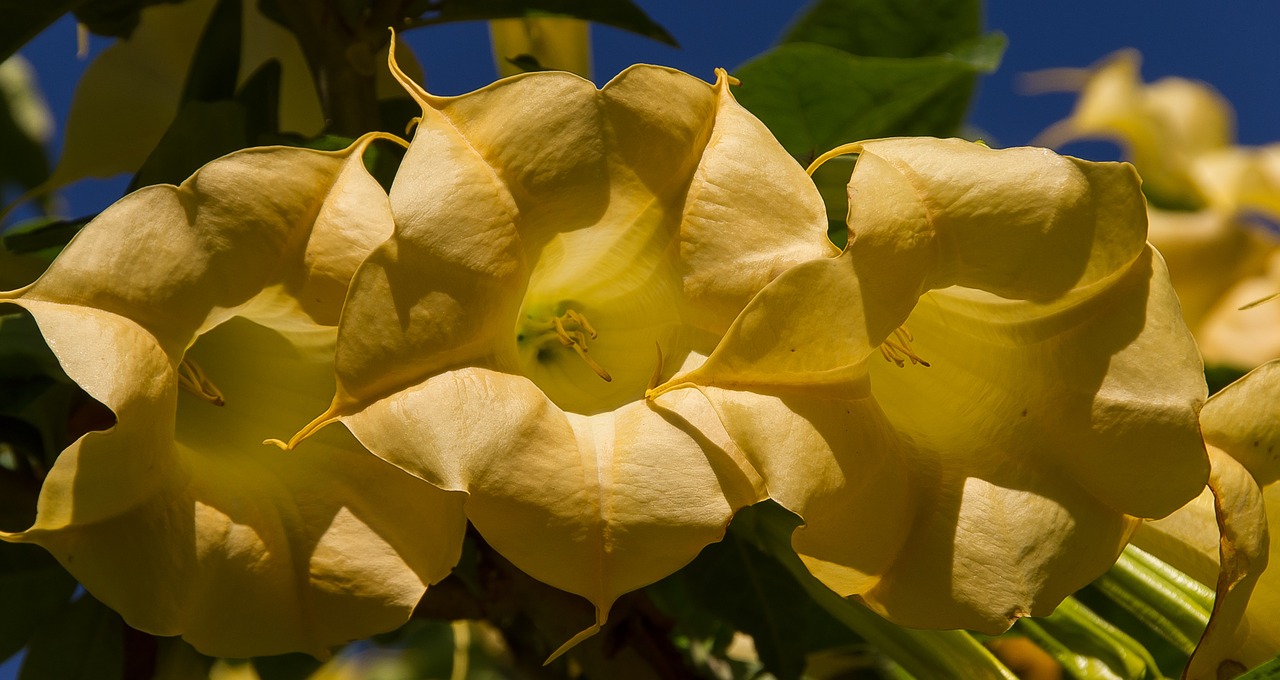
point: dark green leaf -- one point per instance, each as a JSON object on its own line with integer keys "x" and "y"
{"x": 86, "y": 642}
{"x": 815, "y": 97}
{"x": 285, "y": 667}
{"x": 33, "y": 588}
{"x": 260, "y": 97}
{"x": 25, "y": 19}
{"x": 201, "y": 132}
{"x": 735, "y": 581}
{"x": 889, "y": 28}
{"x": 623, "y": 14}
{"x": 115, "y": 18}
{"x": 1219, "y": 376}
{"x": 41, "y": 233}
{"x": 216, "y": 63}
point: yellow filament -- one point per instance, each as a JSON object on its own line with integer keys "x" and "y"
{"x": 577, "y": 339}
{"x": 192, "y": 379}
{"x": 897, "y": 349}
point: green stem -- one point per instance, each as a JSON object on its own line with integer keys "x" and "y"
{"x": 1159, "y": 596}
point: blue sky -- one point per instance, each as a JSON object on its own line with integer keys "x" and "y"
{"x": 1229, "y": 46}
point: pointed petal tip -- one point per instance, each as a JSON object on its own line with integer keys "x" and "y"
{"x": 575, "y": 640}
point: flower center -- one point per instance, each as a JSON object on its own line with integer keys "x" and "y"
{"x": 897, "y": 348}
{"x": 571, "y": 329}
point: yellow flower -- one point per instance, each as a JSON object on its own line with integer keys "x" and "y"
{"x": 1041, "y": 393}
{"x": 558, "y": 250}
{"x": 1180, "y": 134}
{"x": 203, "y": 316}
{"x": 1225, "y": 538}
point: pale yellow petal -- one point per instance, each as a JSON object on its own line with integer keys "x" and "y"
{"x": 595, "y": 505}
{"x": 838, "y": 464}
{"x": 751, "y": 213}
{"x": 798, "y": 335}
{"x": 1021, "y": 223}
{"x": 1243, "y": 553}
{"x": 240, "y": 225}
{"x": 1243, "y": 420}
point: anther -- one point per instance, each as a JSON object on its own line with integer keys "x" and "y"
{"x": 192, "y": 379}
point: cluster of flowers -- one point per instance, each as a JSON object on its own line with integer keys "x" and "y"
{"x": 595, "y": 324}
{"x": 1214, "y": 204}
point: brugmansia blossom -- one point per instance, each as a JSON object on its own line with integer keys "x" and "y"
{"x": 1226, "y": 537}
{"x": 203, "y": 316}
{"x": 1040, "y": 392}
{"x": 558, "y": 250}
{"x": 1207, "y": 194}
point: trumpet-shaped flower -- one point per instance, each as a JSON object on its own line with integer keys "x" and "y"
{"x": 203, "y": 316}
{"x": 1180, "y": 135}
{"x": 1226, "y": 537}
{"x": 558, "y": 250}
{"x": 970, "y": 407}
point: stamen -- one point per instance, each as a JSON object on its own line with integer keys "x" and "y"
{"x": 897, "y": 349}
{"x": 192, "y": 379}
{"x": 582, "y": 321}
{"x": 577, "y": 338}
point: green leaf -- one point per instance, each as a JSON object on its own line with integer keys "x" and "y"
{"x": 889, "y": 28}
{"x": 25, "y": 19}
{"x": 40, "y": 234}
{"x": 815, "y": 97}
{"x": 86, "y": 642}
{"x": 33, "y": 588}
{"x": 738, "y": 583}
{"x": 1267, "y": 671}
{"x": 623, "y": 14}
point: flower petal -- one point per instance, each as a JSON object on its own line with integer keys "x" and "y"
{"x": 1242, "y": 421}
{"x": 241, "y": 548}
{"x": 595, "y": 505}
{"x": 179, "y": 517}
{"x": 1032, "y": 431}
